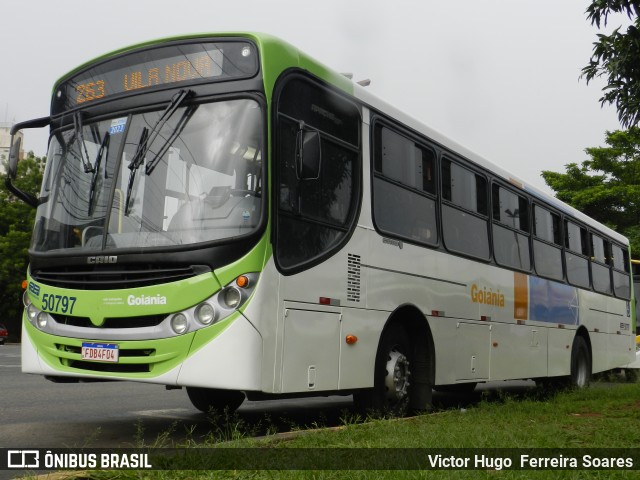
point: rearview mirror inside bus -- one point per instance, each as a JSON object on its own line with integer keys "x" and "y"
{"x": 308, "y": 154}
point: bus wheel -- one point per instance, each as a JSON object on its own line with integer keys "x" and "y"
{"x": 580, "y": 363}
{"x": 392, "y": 385}
{"x": 206, "y": 399}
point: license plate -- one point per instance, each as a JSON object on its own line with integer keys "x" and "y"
{"x": 100, "y": 352}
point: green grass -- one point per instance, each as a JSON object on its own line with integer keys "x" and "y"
{"x": 603, "y": 416}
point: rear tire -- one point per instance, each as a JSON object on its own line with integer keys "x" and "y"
{"x": 392, "y": 388}
{"x": 207, "y": 399}
{"x": 580, "y": 363}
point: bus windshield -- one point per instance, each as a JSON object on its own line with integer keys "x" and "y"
{"x": 198, "y": 180}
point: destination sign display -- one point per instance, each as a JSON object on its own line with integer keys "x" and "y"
{"x": 155, "y": 67}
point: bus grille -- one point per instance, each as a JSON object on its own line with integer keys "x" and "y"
{"x": 127, "y": 322}
{"x": 115, "y": 277}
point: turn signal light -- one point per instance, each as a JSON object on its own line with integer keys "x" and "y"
{"x": 242, "y": 281}
{"x": 24, "y": 284}
{"x": 351, "y": 339}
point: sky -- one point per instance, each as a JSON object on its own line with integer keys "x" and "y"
{"x": 500, "y": 77}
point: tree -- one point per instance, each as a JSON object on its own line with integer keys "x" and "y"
{"x": 617, "y": 58}
{"x": 16, "y": 224}
{"x": 607, "y": 186}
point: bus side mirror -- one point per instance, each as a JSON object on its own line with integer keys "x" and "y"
{"x": 14, "y": 156}
{"x": 308, "y": 154}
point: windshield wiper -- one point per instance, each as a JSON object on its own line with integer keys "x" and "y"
{"x": 77, "y": 126}
{"x": 135, "y": 164}
{"x": 104, "y": 146}
{"x": 147, "y": 138}
{"x": 169, "y": 141}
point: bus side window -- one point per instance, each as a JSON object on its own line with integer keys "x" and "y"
{"x": 620, "y": 272}
{"x": 510, "y": 229}
{"x": 600, "y": 271}
{"x": 404, "y": 187}
{"x": 465, "y": 222}
{"x": 547, "y": 244}
{"x": 576, "y": 255}
{"x": 316, "y": 209}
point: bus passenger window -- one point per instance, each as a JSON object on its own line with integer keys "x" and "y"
{"x": 600, "y": 270}
{"x": 404, "y": 187}
{"x": 465, "y": 225}
{"x": 464, "y": 188}
{"x": 576, "y": 255}
{"x": 621, "y": 278}
{"x": 547, "y": 250}
{"x": 510, "y": 229}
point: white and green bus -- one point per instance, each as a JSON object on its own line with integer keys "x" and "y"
{"x": 225, "y": 214}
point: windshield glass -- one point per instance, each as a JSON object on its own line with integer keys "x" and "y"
{"x": 200, "y": 180}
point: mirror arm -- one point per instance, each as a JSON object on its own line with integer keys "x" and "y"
{"x": 25, "y": 197}
{"x": 35, "y": 123}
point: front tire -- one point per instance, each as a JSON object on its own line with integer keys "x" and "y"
{"x": 392, "y": 389}
{"x": 207, "y": 399}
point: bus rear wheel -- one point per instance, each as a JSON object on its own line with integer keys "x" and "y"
{"x": 580, "y": 363}
{"x": 207, "y": 399}
{"x": 392, "y": 376}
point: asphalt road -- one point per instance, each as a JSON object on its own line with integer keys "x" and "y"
{"x": 36, "y": 413}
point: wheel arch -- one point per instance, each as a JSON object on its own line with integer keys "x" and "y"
{"x": 584, "y": 333}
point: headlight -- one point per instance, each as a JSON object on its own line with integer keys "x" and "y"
{"x": 42, "y": 320}
{"x": 25, "y": 299}
{"x": 231, "y": 296}
{"x": 32, "y": 312}
{"x": 205, "y": 313}
{"x": 179, "y": 323}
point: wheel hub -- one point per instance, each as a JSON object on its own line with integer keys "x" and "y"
{"x": 397, "y": 378}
